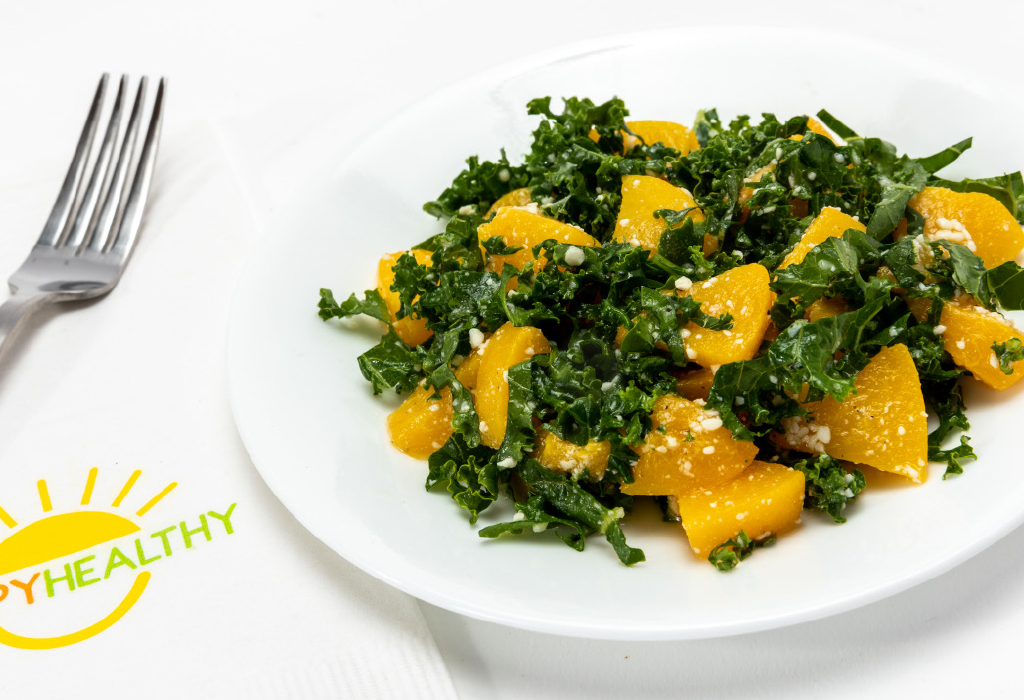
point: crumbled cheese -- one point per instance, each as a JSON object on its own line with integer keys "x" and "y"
{"x": 623, "y": 222}
{"x": 519, "y": 516}
{"x": 467, "y": 210}
{"x": 574, "y": 256}
{"x": 901, "y": 430}
{"x": 476, "y": 337}
{"x": 684, "y": 283}
{"x": 709, "y": 450}
{"x": 711, "y": 423}
{"x": 961, "y": 344}
{"x": 504, "y": 175}
{"x": 939, "y": 330}
{"x": 434, "y": 407}
{"x": 483, "y": 427}
{"x": 507, "y": 463}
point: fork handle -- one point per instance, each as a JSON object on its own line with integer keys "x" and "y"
{"x": 12, "y": 313}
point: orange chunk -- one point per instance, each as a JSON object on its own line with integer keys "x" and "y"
{"x": 411, "y": 329}
{"x": 828, "y": 224}
{"x": 515, "y": 198}
{"x": 826, "y": 307}
{"x": 694, "y": 451}
{"x": 563, "y": 456}
{"x": 507, "y": 347}
{"x": 642, "y": 195}
{"x": 819, "y": 128}
{"x": 968, "y": 331}
{"x": 519, "y": 227}
{"x": 766, "y": 499}
{"x": 421, "y": 425}
{"x": 742, "y": 292}
{"x": 995, "y": 234}
{"x": 883, "y": 425}
{"x": 695, "y": 384}
{"x": 671, "y": 134}
{"x": 746, "y": 192}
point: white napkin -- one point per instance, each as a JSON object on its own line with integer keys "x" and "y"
{"x": 255, "y": 607}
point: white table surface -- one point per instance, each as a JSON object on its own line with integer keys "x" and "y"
{"x": 277, "y": 86}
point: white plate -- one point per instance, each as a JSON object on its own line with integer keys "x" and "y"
{"x": 318, "y": 437}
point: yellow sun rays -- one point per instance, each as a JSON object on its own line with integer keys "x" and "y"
{"x": 46, "y": 502}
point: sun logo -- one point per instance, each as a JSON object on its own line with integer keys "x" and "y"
{"x": 58, "y": 535}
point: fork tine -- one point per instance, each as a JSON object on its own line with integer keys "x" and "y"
{"x": 132, "y": 218}
{"x": 61, "y": 211}
{"x": 99, "y": 179}
{"x": 118, "y": 183}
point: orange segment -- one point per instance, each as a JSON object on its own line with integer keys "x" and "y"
{"x": 411, "y": 329}
{"x": 519, "y": 227}
{"x": 515, "y": 198}
{"x": 695, "y": 384}
{"x": 742, "y": 292}
{"x": 826, "y": 307}
{"x": 766, "y": 499}
{"x": 995, "y": 234}
{"x": 671, "y": 134}
{"x": 968, "y": 331}
{"x": 828, "y": 224}
{"x": 883, "y": 425}
{"x": 694, "y": 451}
{"x": 507, "y": 347}
{"x": 819, "y": 128}
{"x": 420, "y": 425}
{"x": 563, "y": 456}
{"x": 746, "y": 192}
{"x": 642, "y": 195}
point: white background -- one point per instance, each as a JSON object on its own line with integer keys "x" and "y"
{"x": 260, "y": 93}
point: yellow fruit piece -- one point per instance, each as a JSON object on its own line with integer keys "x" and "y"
{"x": 883, "y": 425}
{"x": 671, "y": 134}
{"x": 826, "y": 307}
{"x": 642, "y": 195}
{"x": 507, "y": 347}
{"x": 970, "y": 330}
{"x": 742, "y": 292}
{"x": 411, "y": 329}
{"x": 695, "y": 383}
{"x": 563, "y": 456}
{"x": 996, "y": 235}
{"x": 746, "y": 192}
{"x": 421, "y": 425}
{"x": 515, "y": 198}
{"x": 695, "y": 450}
{"x": 829, "y": 223}
{"x": 519, "y": 227}
{"x": 819, "y": 128}
{"x": 766, "y": 499}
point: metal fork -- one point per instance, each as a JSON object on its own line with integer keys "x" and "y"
{"x": 82, "y": 252}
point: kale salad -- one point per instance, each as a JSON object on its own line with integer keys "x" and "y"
{"x": 734, "y": 318}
